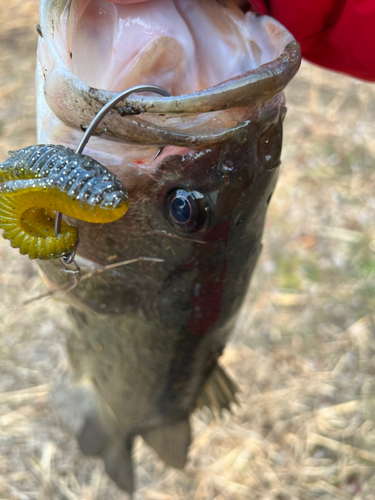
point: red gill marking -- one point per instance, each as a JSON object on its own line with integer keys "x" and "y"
{"x": 207, "y": 290}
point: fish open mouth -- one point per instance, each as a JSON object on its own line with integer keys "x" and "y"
{"x": 216, "y": 61}
{"x": 182, "y": 45}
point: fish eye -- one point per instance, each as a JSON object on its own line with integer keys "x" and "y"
{"x": 187, "y": 211}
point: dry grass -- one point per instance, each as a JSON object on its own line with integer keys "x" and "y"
{"x": 304, "y": 352}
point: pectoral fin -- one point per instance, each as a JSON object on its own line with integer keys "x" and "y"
{"x": 79, "y": 415}
{"x": 218, "y": 391}
{"x": 171, "y": 442}
{"x": 116, "y": 453}
{"x": 119, "y": 465}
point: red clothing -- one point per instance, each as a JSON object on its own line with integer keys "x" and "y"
{"x": 336, "y": 34}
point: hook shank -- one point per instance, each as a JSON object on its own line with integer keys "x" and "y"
{"x": 92, "y": 127}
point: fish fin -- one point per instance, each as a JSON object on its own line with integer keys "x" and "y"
{"x": 79, "y": 415}
{"x": 218, "y": 391}
{"x": 92, "y": 439}
{"x": 171, "y": 442}
{"x": 116, "y": 454}
{"x": 118, "y": 463}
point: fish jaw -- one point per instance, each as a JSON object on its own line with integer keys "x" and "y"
{"x": 67, "y": 102}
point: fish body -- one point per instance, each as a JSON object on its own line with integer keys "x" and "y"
{"x": 148, "y": 335}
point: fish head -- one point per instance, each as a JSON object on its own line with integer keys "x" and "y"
{"x": 201, "y": 212}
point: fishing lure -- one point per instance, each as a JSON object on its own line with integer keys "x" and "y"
{"x": 37, "y": 181}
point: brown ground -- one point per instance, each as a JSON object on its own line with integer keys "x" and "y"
{"x": 304, "y": 351}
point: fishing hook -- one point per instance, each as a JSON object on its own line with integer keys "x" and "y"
{"x": 70, "y": 257}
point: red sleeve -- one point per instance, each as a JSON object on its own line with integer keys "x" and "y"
{"x": 336, "y": 34}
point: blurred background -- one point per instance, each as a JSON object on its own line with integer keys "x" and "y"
{"x": 304, "y": 350}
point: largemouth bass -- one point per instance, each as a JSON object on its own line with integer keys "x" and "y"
{"x": 148, "y": 336}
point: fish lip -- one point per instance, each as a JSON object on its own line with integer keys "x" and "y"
{"x": 225, "y": 95}
{"x": 63, "y": 90}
